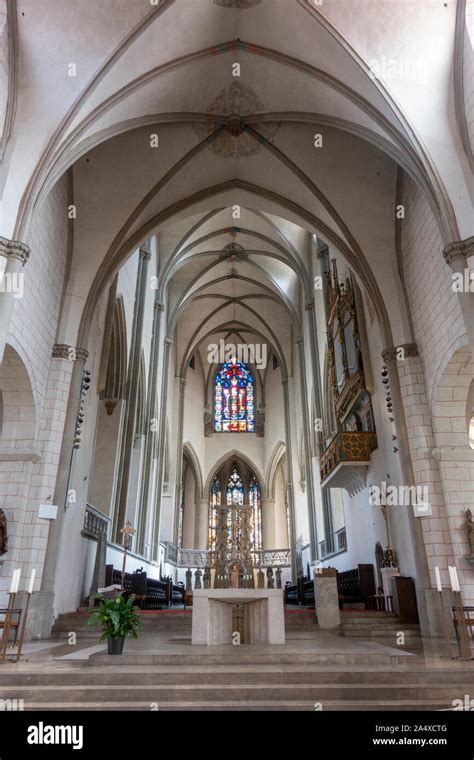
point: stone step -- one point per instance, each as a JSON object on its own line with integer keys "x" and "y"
{"x": 125, "y": 692}
{"x": 379, "y": 632}
{"x": 255, "y": 705}
{"x": 238, "y": 675}
{"x": 322, "y": 659}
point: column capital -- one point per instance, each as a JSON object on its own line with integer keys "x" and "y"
{"x": 145, "y": 250}
{"x": 159, "y": 306}
{"x": 299, "y": 342}
{"x": 309, "y": 306}
{"x": 323, "y": 250}
{"x": 410, "y": 350}
{"x": 72, "y": 354}
{"x": 168, "y": 342}
{"x": 460, "y": 249}
{"x": 14, "y": 249}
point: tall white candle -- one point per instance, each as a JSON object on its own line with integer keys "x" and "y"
{"x": 454, "y": 579}
{"x": 438, "y": 579}
{"x": 32, "y": 581}
{"x": 13, "y": 583}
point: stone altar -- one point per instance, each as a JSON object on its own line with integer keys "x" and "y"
{"x": 215, "y": 618}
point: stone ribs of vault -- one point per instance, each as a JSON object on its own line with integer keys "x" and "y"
{"x": 236, "y": 101}
{"x": 237, "y": 3}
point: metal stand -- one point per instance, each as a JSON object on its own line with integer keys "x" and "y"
{"x": 7, "y": 624}
{"x": 23, "y": 626}
{"x": 464, "y": 645}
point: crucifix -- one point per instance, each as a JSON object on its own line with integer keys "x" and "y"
{"x": 127, "y": 531}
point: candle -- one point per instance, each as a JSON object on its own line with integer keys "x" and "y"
{"x": 32, "y": 581}
{"x": 15, "y": 581}
{"x": 453, "y": 575}
{"x": 12, "y": 584}
{"x": 438, "y": 579}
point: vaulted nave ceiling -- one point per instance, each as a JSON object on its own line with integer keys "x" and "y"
{"x": 167, "y": 70}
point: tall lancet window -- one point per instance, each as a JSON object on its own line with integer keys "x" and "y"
{"x": 234, "y": 405}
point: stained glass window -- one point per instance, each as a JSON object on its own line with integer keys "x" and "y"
{"x": 235, "y": 488}
{"x": 234, "y": 410}
{"x": 235, "y": 491}
{"x": 254, "y": 492}
{"x": 215, "y": 502}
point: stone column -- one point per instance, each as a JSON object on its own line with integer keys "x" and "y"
{"x": 201, "y": 511}
{"x": 131, "y": 394}
{"x": 16, "y": 254}
{"x": 42, "y": 603}
{"x": 268, "y": 524}
{"x": 179, "y": 459}
{"x": 161, "y": 450}
{"x": 307, "y": 451}
{"x": 289, "y": 460}
{"x": 456, "y": 255}
{"x": 426, "y": 602}
{"x": 150, "y": 434}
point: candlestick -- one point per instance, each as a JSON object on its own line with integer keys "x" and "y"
{"x": 32, "y": 581}
{"x": 438, "y": 579}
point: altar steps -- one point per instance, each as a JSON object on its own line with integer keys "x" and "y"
{"x": 376, "y": 625}
{"x": 258, "y": 690}
{"x": 179, "y": 621}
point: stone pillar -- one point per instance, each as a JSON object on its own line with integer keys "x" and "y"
{"x": 131, "y": 395}
{"x": 16, "y": 254}
{"x": 289, "y": 460}
{"x": 268, "y": 524}
{"x": 179, "y": 459}
{"x": 456, "y": 255}
{"x": 150, "y": 434}
{"x": 307, "y": 450}
{"x": 201, "y": 511}
{"x": 410, "y": 372}
{"x": 161, "y": 451}
{"x": 326, "y": 599}
{"x": 41, "y": 614}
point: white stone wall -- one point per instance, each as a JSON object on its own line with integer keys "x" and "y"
{"x": 435, "y": 413}
{"x": 35, "y": 316}
{"x": 434, "y": 307}
{"x": 468, "y": 70}
{"x": 27, "y": 482}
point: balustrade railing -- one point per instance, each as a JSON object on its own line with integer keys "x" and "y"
{"x": 95, "y": 522}
{"x": 202, "y": 558}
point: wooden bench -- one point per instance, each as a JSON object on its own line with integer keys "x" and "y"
{"x": 356, "y": 586}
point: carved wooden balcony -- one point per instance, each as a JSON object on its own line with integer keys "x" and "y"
{"x": 345, "y": 462}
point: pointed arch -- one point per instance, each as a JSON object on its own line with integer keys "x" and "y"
{"x": 277, "y": 458}
{"x": 229, "y": 457}
{"x": 189, "y": 453}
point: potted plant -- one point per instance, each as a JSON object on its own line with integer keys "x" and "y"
{"x": 119, "y": 620}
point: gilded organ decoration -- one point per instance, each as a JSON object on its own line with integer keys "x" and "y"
{"x": 345, "y": 462}
{"x": 345, "y": 366}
